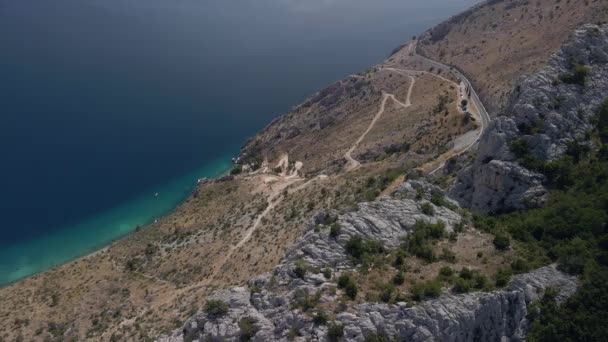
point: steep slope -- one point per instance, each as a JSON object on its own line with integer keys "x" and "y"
{"x": 322, "y": 130}
{"x": 500, "y": 40}
{"x": 273, "y": 303}
{"x": 548, "y": 111}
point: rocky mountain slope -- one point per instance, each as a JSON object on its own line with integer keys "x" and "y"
{"x": 497, "y": 41}
{"x": 547, "y": 112}
{"x": 386, "y": 255}
{"x": 271, "y": 304}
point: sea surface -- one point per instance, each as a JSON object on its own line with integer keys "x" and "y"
{"x": 104, "y": 103}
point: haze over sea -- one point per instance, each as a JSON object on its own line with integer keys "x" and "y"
{"x": 104, "y": 103}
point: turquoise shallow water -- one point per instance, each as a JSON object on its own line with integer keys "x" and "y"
{"x": 33, "y": 256}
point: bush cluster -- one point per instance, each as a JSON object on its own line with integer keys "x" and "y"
{"x": 216, "y": 308}
{"x": 419, "y": 241}
{"x": 349, "y": 286}
{"x": 359, "y": 248}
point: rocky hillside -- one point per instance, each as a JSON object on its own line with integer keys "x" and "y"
{"x": 547, "y": 112}
{"x": 322, "y": 291}
{"x": 290, "y": 303}
{"x": 497, "y": 41}
{"x": 387, "y": 254}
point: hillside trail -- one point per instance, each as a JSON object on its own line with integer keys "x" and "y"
{"x": 284, "y": 183}
{"x": 351, "y": 163}
{"x": 463, "y": 142}
{"x": 286, "y": 180}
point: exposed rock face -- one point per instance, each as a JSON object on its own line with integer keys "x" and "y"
{"x": 269, "y": 299}
{"x": 546, "y": 113}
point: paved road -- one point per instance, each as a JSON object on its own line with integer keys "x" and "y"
{"x": 485, "y": 117}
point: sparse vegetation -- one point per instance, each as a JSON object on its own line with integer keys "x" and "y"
{"x": 320, "y": 317}
{"x": 418, "y": 242}
{"x": 425, "y": 290}
{"x": 359, "y": 248}
{"x": 216, "y": 308}
{"x": 501, "y": 240}
{"x": 335, "y": 331}
{"x": 427, "y": 209}
{"x": 237, "y": 169}
{"x": 248, "y": 328}
{"x": 334, "y": 230}
{"x": 349, "y": 286}
{"x": 399, "y": 278}
{"x": 577, "y": 75}
{"x": 304, "y": 300}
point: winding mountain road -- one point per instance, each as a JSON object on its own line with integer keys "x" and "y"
{"x": 461, "y": 144}
{"x": 485, "y": 117}
{"x": 468, "y": 140}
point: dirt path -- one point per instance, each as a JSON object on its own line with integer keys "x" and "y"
{"x": 463, "y": 142}
{"x": 352, "y": 163}
{"x": 276, "y": 197}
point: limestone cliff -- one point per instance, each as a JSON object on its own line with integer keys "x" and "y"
{"x": 270, "y": 301}
{"x": 548, "y": 110}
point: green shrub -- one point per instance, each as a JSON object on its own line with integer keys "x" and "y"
{"x": 335, "y": 229}
{"x": 447, "y": 255}
{"x": 418, "y": 241}
{"x": 358, "y": 248}
{"x": 386, "y": 294}
{"x": 503, "y": 275}
{"x": 335, "y": 331}
{"x": 327, "y": 273}
{"x": 578, "y": 75}
{"x": 399, "y": 261}
{"x": 216, "y": 308}
{"x": 303, "y": 300}
{"x": 501, "y": 241}
{"x": 349, "y": 286}
{"x": 343, "y": 280}
{"x": 466, "y": 273}
{"x": 446, "y": 272}
{"x": 427, "y": 209}
{"x": 248, "y": 328}
{"x": 301, "y": 268}
{"x": 351, "y": 290}
{"x": 320, "y": 318}
{"x": 519, "y": 147}
{"x": 519, "y": 265}
{"x": 424, "y": 290}
{"x": 438, "y": 200}
{"x": 237, "y": 169}
{"x": 377, "y": 337}
{"x": 462, "y": 286}
{"x": 480, "y": 281}
{"x": 399, "y": 278}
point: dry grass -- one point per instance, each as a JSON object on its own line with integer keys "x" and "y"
{"x": 496, "y": 44}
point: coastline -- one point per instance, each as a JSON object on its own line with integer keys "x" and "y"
{"x": 97, "y": 234}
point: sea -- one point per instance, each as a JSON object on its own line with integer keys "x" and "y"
{"x": 110, "y": 110}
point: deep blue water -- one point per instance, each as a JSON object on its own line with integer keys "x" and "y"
{"x": 105, "y": 102}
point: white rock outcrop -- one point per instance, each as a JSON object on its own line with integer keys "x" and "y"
{"x": 269, "y": 299}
